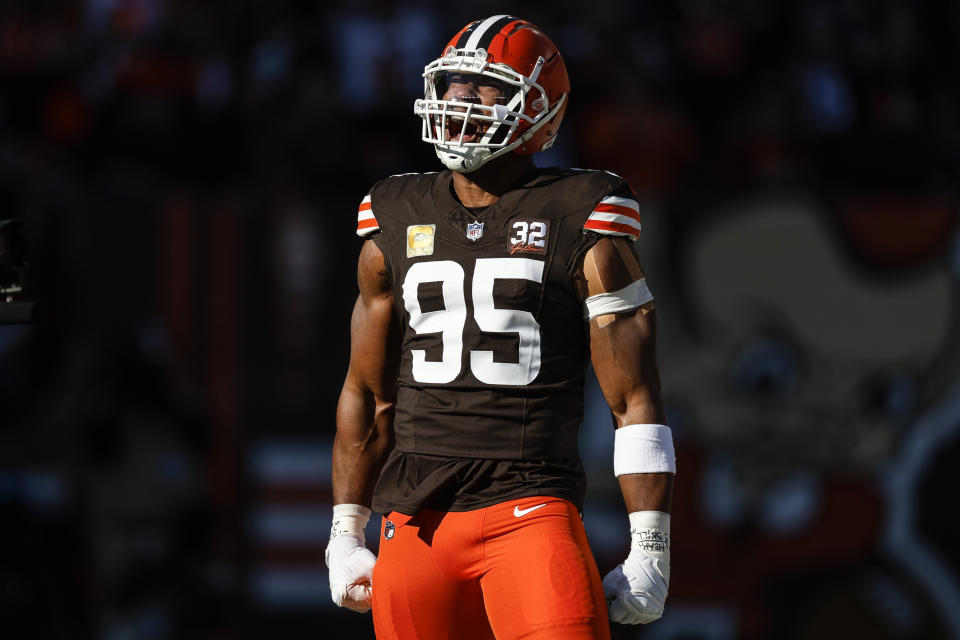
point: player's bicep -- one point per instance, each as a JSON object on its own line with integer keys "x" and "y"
{"x": 374, "y": 328}
{"x": 622, "y": 331}
{"x": 623, "y": 355}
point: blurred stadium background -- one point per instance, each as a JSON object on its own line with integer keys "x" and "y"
{"x": 186, "y": 175}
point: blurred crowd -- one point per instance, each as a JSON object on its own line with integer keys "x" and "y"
{"x": 186, "y": 175}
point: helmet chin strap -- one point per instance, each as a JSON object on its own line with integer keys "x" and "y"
{"x": 463, "y": 160}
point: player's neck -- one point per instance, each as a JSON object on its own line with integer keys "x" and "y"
{"x": 484, "y": 186}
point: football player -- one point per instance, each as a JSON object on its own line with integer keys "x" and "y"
{"x": 484, "y": 289}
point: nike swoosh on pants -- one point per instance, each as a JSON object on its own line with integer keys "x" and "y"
{"x": 517, "y": 511}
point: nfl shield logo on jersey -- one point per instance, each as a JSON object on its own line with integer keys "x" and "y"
{"x": 388, "y": 529}
{"x": 474, "y": 230}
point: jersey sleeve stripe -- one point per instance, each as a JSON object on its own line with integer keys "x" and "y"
{"x": 630, "y": 212}
{"x": 622, "y": 202}
{"x": 613, "y": 228}
{"x": 615, "y": 217}
{"x": 366, "y": 222}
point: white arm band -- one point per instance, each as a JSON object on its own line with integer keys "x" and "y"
{"x": 629, "y": 298}
{"x": 643, "y": 448}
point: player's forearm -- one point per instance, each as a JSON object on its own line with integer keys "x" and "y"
{"x": 647, "y": 491}
{"x": 363, "y": 442}
{"x": 642, "y": 405}
{"x": 358, "y": 453}
{"x": 643, "y": 491}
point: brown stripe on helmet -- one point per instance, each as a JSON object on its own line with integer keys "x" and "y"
{"x": 495, "y": 29}
{"x": 465, "y": 34}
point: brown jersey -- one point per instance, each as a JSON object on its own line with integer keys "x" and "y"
{"x": 494, "y": 343}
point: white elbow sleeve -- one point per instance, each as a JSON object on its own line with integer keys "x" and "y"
{"x": 643, "y": 448}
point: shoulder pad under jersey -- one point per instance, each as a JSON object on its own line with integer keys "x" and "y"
{"x": 385, "y": 190}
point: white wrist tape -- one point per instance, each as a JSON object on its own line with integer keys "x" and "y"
{"x": 643, "y": 448}
{"x": 636, "y": 591}
{"x": 650, "y": 531}
{"x": 629, "y": 298}
{"x": 349, "y": 519}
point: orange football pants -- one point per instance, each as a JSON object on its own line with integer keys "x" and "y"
{"x": 518, "y": 569}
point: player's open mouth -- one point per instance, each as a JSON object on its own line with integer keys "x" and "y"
{"x": 454, "y": 126}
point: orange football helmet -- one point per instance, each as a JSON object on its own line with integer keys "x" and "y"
{"x": 506, "y": 53}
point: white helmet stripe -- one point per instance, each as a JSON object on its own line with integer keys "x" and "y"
{"x": 480, "y": 30}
